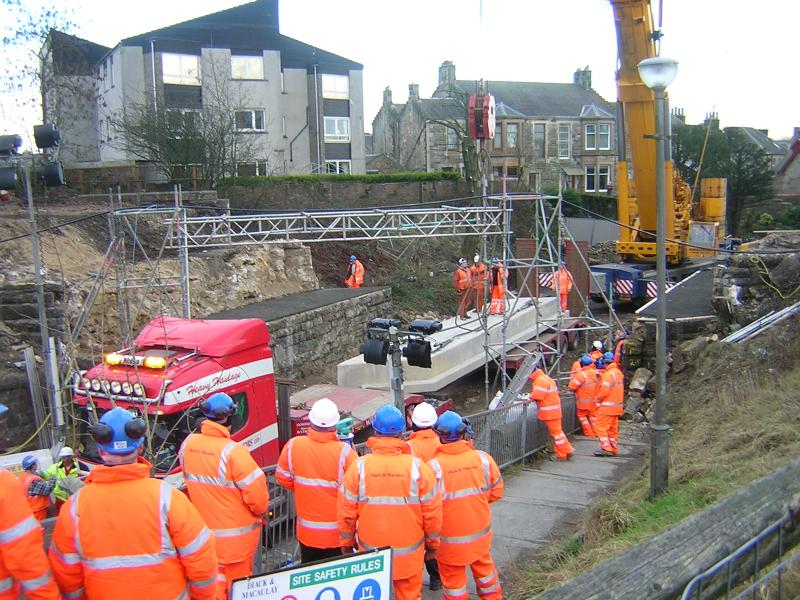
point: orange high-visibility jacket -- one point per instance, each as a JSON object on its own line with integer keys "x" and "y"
{"x": 390, "y": 498}
{"x": 355, "y": 275}
{"x": 477, "y": 274}
{"x": 562, "y": 282}
{"x": 227, "y": 487}
{"x": 584, "y": 384}
{"x": 595, "y": 354}
{"x": 23, "y": 564}
{"x": 461, "y": 279}
{"x": 499, "y": 276}
{"x": 469, "y": 481}
{"x": 545, "y": 392}
{"x": 125, "y": 535}
{"x": 611, "y": 391}
{"x": 38, "y": 504}
{"x": 313, "y": 467}
{"x": 424, "y": 444}
{"x": 618, "y": 351}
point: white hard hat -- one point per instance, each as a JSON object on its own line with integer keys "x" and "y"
{"x": 66, "y": 452}
{"x": 462, "y": 261}
{"x": 597, "y": 344}
{"x": 424, "y": 415}
{"x": 476, "y": 258}
{"x": 324, "y": 413}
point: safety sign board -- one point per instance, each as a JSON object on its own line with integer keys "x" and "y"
{"x": 362, "y": 576}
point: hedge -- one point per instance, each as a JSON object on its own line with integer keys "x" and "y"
{"x": 253, "y": 181}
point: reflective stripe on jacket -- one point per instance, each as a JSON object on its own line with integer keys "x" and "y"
{"x": 313, "y": 467}
{"x": 38, "y": 504}
{"x": 562, "y": 282}
{"x": 390, "y": 498}
{"x": 545, "y": 392}
{"x": 477, "y": 274}
{"x": 469, "y": 481}
{"x": 584, "y": 384}
{"x": 126, "y": 535}
{"x": 23, "y": 564}
{"x": 57, "y": 471}
{"x": 424, "y": 444}
{"x": 227, "y": 487}
{"x": 611, "y": 391}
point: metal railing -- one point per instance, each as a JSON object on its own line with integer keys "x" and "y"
{"x": 751, "y": 562}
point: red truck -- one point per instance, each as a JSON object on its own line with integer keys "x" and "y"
{"x": 175, "y": 363}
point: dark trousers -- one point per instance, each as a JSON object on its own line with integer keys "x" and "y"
{"x": 433, "y": 570}
{"x": 310, "y": 554}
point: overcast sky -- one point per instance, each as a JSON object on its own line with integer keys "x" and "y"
{"x": 737, "y": 57}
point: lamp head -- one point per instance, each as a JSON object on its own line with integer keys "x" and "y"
{"x": 658, "y": 72}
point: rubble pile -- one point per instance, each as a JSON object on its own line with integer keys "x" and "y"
{"x": 764, "y": 277}
{"x": 604, "y": 252}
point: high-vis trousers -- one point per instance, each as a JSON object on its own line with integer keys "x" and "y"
{"x": 564, "y": 301}
{"x": 464, "y": 301}
{"x": 409, "y": 588}
{"x": 487, "y": 581}
{"x": 231, "y": 572}
{"x": 607, "y": 429}
{"x": 588, "y": 420}
{"x": 561, "y": 445}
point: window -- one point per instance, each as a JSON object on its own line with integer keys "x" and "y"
{"x": 337, "y": 167}
{"x": 452, "y": 139}
{"x": 511, "y": 135}
{"x": 180, "y": 69}
{"x": 182, "y": 123}
{"x": 337, "y": 129}
{"x": 498, "y": 136}
{"x": 512, "y": 172}
{"x": 250, "y": 120}
{"x": 336, "y": 87}
{"x": 252, "y": 169}
{"x": 247, "y": 67}
{"x": 563, "y": 140}
{"x": 604, "y": 136}
{"x": 111, "y": 69}
{"x": 534, "y": 181}
{"x": 591, "y": 137}
{"x": 239, "y": 418}
{"x": 598, "y": 137}
{"x": 538, "y": 140}
{"x": 283, "y": 126}
{"x": 597, "y": 178}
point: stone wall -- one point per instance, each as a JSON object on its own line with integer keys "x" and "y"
{"x": 306, "y": 342}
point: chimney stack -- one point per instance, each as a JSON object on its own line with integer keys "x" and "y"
{"x": 387, "y": 96}
{"x": 583, "y": 77}
{"x": 447, "y": 74}
{"x": 413, "y": 91}
{"x": 678, "y": 114}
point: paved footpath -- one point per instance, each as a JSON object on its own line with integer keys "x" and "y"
{"x": 548, "y": 498}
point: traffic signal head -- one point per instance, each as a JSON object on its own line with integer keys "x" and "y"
{"x": 9, "y": 144}
{"x": 418, "y": 353}
{"x": 425, "y": 326}
{"x": 46, "y": 136}
{"x": 52, "y": 174}
{"x": 375, "y": 351}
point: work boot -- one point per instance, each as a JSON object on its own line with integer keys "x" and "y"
{"x": 435, "y": 584}
{"x": 603, "y": 453}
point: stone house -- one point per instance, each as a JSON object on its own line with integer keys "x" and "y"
{"x": 787, "y": 180}
{"x": 543, "y": 130}
{"x": 300, "y": 107}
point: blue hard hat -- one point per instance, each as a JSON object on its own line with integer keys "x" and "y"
{"x": 495, "y": 260}
{"x": 28, "y": 462}
{"x": 600, "y": 363}
{"x": 119, "y": 432}
{"x": 608, "y": 357}
{"x": 3, "y": 408}
{"x": 451, "y": 427}
{"x": 388, "y": 420}
{"x": 218, "y": 407}
{"x": 352, "y": 258}
{"x": 586, "y": 360}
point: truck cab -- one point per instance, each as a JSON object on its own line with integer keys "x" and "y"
{"x": 172, "y": 365}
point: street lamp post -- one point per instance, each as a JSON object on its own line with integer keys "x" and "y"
{"x": 657, "y": 73}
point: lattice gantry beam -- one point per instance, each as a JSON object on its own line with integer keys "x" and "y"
{"x": 322, "y": 226}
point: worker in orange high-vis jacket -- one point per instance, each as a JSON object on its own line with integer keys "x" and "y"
{"x": 619, "y": 344}
{"x": 497, "y": 279}
{"x": 390, "y": 498}
{"x": 463, "y": 285}
{"x": 313, "y": 466}
{"x": 610, "y": 403}
{"x": 128, "y": 536}
{"x": 355, "y": 273}
{"x": 545, "y": 393}
{"x": 424, "y": 442}
{"x": 562, "y": 284}
{"x": 227, "y": 487}
{"x": 597, "y": 350}
{"x": 37, "y": 489}
{"x": 23, "y": 565}
{"x": 583, "y": 383}
{"x": 469, "y": 481}
{"x": 478, "y": 277}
